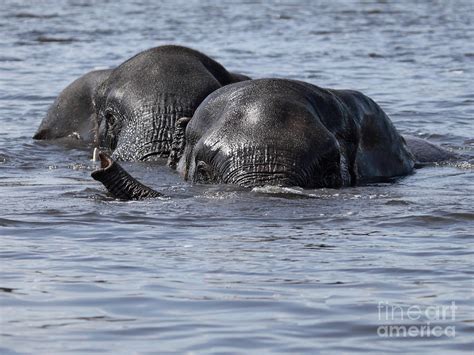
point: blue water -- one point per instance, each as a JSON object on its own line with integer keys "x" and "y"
{"x": 220, "y": 269}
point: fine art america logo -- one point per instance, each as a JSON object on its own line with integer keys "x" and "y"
{"x": 409, "y": 321}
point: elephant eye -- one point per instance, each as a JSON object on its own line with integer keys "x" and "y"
{"x": 204, "y": 173}
{"x": 109, "y": 118}
{"x": 110, "y": 137}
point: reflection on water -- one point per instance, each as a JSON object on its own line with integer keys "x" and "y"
{"x": 226, "y": 269}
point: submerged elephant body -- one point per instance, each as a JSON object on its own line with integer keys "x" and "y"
{"x": 291, "y": 133}
{"x": 138, "y": 105}
{"x": 72, "y": 115}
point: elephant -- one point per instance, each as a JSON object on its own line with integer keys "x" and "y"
{"x": 72, "y": 115}
{"x": 139, "y": 103}
{"x": 286, "y": 133}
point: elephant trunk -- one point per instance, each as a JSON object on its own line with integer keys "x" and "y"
{"x": 120, "y": 183}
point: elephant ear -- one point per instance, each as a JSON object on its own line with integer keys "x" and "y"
{"x": 179, "y": 142}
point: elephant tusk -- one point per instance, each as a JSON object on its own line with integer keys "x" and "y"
{"x": 95, "y": 154}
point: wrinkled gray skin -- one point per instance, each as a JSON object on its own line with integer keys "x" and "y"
{"x": 72, "y": 115}
{"x": 138, "y": 105}
{"x": 288, "y": 133}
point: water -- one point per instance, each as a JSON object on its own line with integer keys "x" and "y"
{"x": 222, "y": 269}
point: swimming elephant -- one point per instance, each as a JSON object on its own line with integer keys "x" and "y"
{"x": 72, "y": 115}
{"x": 139, "y": 103}
{"x": 283, "y": 132}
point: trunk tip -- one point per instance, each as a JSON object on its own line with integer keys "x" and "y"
{"x": 105, "y": 160}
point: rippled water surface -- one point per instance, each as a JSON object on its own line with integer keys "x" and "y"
{"x": 218, "y": 268}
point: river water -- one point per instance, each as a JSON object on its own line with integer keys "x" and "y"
{"x": 219, "y": 269}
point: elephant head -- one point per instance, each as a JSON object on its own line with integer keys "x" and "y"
{"x": 138, "y": 105}
{"x": 290, "y": 133}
